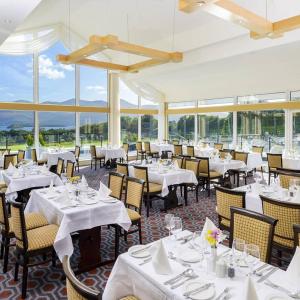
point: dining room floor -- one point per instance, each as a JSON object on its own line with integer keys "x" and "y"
{"x": 46, "y": 282}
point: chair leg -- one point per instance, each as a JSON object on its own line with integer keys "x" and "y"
{"x": 148, "y": 205}
{"x": 125, "y": 236}
{"x": 269, "y": 177}
{"x": 53, "y": 258}
{"x": 17, "y": 268}
{"x": 140, "y": 232}
{"x": 24, "y": 279}
{"x": 238, "y": 179}
{"x": 117, "y": 240}
{"x": 6, "y": 252}
{"x": 197, "y": 192}
{"x": 185, "y": 194}
{"x": 91, "y": 164}
{"x": 2, "y": 247}
{"x": 208, "y": 187}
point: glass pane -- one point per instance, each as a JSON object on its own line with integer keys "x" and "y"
{"x": 93, "y": 131}
{"x": 216, "y": 127}
{"x": 295, "y": 96}
{"x": 16, "y": 79}
{"x": 56, "y": 81}
{"x": 93, "y": 87}
{"x": 296, "y": 131}
{"x": 182, "y": 104}
{"x": 216, "y": 102}
{"x": 265, "y": 128}
{"x": 146, "y": 104}
{"x": 181, "y": 127}
{"x": 128, "y": 99}
{"x": 149, "y": 125}
{"x": 57, "y": 129}
{"x": 16, "y": 130}
{"x": 129, "y": 128}
{"x": 276, "y": 97}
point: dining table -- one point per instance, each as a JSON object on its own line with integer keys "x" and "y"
{"x": 111, "y": 152}
{"x": 132, "y": 275}
{"x": 291, "y": 162}
{"x": 85, "y": 214}
{"x": 223, "y": 165}
{"x": 51, "y": 156}
{"x": 161, "y": 147}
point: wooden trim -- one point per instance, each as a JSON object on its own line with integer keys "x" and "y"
{"x": 50, "y": 108}
{"x": 136, "y": 111}
{"x": 241, "y": 107}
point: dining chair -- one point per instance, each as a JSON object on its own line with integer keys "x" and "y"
{"x": 147, "y": 146}
{"x": 223, "y": 153}
{"x": 151, "y": 189}
{"x": 77, "y": 155}
{"x": 175, "y": 142}
{"x": 60, "y": 166}
{"x": 179, "y": 160}
{"x": 30, "y": 243}
{"x": 286, "y": 177}
{"x": 95, "y": 157}
{"x": 115, "y": 184}
{"x": 274, "y": 162}
{"x": 35, "y": 159}
{"x": 10, "y": 159}
{"x": 296, "y": 228}
{"x": 190, "y": 151}
{"x": 4, "y": 151}
{"x": 21, "y": 155}
{"x": 287, "y": 214}
{"x": 227, "y": 198}
{"x": 76, "y": 290}
{"x": 206, "y": 175}
{"x": 70, "y": 169}
{"x": 122, "y": 168}
{"x": 178, "y": 149}
{"x": 32, "y": 220}
{"x": 184, "y": 158}
{"x": 140, "y": 151}
{"x": 258, "y": 149}
{"x": 242, "y": 156}
{"x": 253, "y": 228}
{"x": 218, "y": 146}
{"x": 191, "y": 165}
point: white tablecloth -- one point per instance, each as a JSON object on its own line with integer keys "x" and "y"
{"x": 15, "y": 185}
{"x": 76, "y": 218}
{"x": 200, "y": 151}
{"x": 222, "y": 166}
{"x": 172, "y": 177}
{"x": 128, "y": 278}
{"x": 155, "y": 147}
{"x": 254, "y": 160}
{"x": 111, "y": 153}
{"x": 291, "y": 163}
{"x": 52, "y": 157}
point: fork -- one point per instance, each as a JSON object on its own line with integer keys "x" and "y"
{"x": 282, "y": 289}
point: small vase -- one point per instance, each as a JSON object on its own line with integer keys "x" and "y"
{"x": 212, "y": 260}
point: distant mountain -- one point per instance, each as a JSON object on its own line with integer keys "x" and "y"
{"x": 20, "y": 119}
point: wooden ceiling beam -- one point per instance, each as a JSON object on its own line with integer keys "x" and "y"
{"x": 189, "y": 6}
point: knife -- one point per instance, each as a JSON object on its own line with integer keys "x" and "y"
{"x": 267, "y": 275}
{"x": 199, "y": 289}
{"x": 260, "y": 268}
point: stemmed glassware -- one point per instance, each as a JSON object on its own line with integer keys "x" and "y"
{"x": 238, "y": 249}
{"x": 176, "y": 226}
{"x": 168, "y": 218}
{"x": 252, "y": 256}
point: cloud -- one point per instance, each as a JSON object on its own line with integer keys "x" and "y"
{"x": 97, "y": 88}
{"x": 50, "y": 70}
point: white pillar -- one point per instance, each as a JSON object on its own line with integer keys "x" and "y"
{"x": 36, "y": 100}
{"x": 161, "y": 122}
{"x": 77, "y": 103}
{"x": 234, "y": 126}
{"x": 114, "y": 117}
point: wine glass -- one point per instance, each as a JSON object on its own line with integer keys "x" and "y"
{"x": 252, "y": 256}
{"x": 176, "y": 226}
{"x": 168, "y": 218}
{"x": 238, "y": 248}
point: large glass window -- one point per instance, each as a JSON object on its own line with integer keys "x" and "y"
{"x": 56, "y": 81}
{"x": 57, "y": 129}
{"x": 295, "y": 96}
{"x": 265, "y": 128}
{"x": 93, "y": 87}
{"x": 128, "y": 99}
{"x": 129, "y": 128}
{"x": 216, "y": 127}
{"x": 147, "y": 104}
{"x": 16, "y": 78}
{"x": 275, "y": 97}
{"x": 216, "y": 102}
{"x": 188, "y": 104}
{"x": 149, "y": 130}
{"x": 296, "y": 131}
{"x": 16, "y": 129}
{"x": 93, "y": 130}
{"x": 181, "y": 127}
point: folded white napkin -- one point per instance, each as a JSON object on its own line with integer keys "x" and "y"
{"x": 11, "y": 169}
{"x": 65, "y": 198}
{"x": 209, "y": 225}
{"x": 160, "y": 259}
{"x": 51, "y": 186}
{"x": 293, "y": 271}
{"x": 250, "y": 291}
{"x": 176, "y": 166}
{"x": 104, "y": 191}
{"x": 83, "y": 181}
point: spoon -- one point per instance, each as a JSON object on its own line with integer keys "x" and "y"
{"x": 173, "y": 257}
{"x": 173, "y": 280}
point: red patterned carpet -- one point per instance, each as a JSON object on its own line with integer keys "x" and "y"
{"x": 45, "y": 282}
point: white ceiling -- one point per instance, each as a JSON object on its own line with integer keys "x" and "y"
{"x": 219, "y": 57}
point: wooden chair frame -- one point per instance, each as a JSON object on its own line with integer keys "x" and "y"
{"x": 95, "y": 158}
{"x": 7, "y": 156}
{"x": 296, "y": 228}
{"x": 117, "y": 175}
{"x": 269, "y": 168}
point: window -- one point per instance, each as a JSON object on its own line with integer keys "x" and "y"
{"x": 276, "y": 97}
{"x": 57, "y": 129}
{"x": 93, "y": 131}
{"x": 146, "y": 104}
{"x": 190, "y": 104}
{"x": 93, "y": 87}
{"x": 181, "y": 127}
{"x": 295, "y": 96}
{"x": 216, "y": 127}
{"x": 16, "y": 79}
{"x": 129, "y": 128}
{"x": 149, "y": 130}
{"x": 296, "y": 131}
{"x": 265, "y": 128}
{"x": 216, "y": 102}
{"x": 128, "y": 99}
{"x": 56, "y": 81}
{"x": 16, "y": 129}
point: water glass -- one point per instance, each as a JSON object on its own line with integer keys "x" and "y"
{"x": 168, "y": 218}
{"x": 176, "y": 226}
{"x": 238, "y": 247}
{"x": 252, "y": 255}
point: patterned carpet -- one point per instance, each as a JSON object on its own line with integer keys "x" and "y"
{"x": 44, "y": 282}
